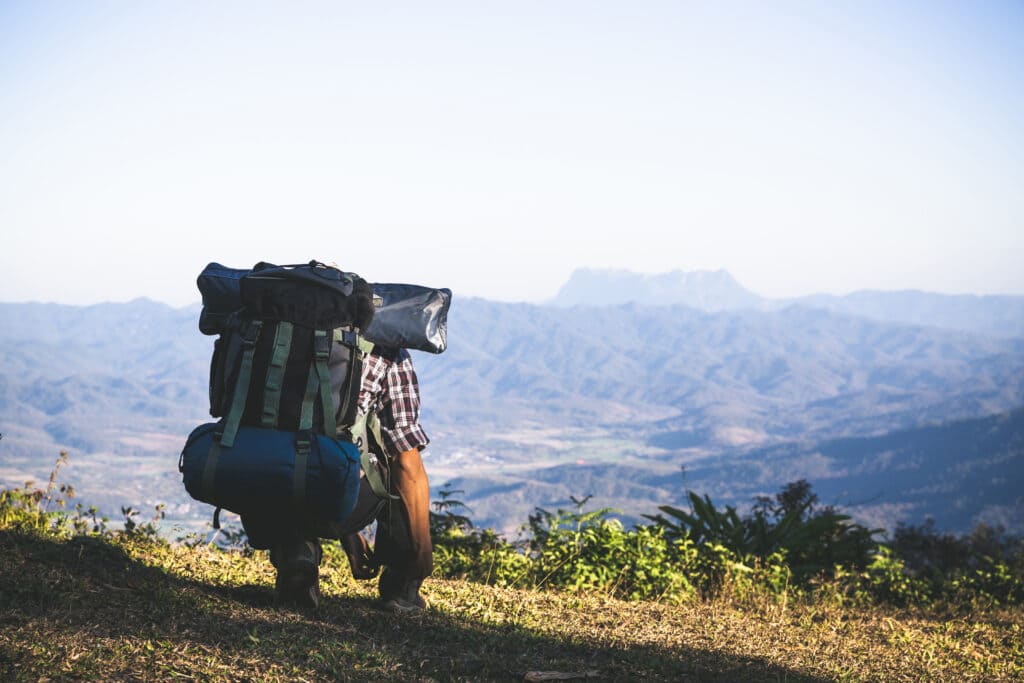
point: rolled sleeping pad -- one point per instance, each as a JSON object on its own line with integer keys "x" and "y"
{"x": 410, "y": 317}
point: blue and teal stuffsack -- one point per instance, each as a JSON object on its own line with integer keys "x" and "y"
{"x": 302, "y": 474}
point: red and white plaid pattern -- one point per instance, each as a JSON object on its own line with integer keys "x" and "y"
{"x": 390, "y": 387}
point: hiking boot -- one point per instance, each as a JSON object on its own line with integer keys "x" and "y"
{"x": 401, "y": 595}
{"x": 298, "y": 573}
{"x": 360, "y": 557}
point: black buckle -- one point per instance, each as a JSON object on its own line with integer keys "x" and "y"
{"x": 251, "y": 333}
{"x": 322, "y": 346}
{"x": 348, "y": 338}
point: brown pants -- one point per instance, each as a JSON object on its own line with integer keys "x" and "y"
{"x": 405, "y": 547}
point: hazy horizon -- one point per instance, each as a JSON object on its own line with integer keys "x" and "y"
{"x": 547, "y": 298}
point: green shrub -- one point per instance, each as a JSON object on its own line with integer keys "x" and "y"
{"x": 812, "y": 540}
{"x": 45, "y": 511}
{"x": 586, "y": 551}
{"x": 887, "y": 579}
{"x": 994, "y": 581}
{"x": 784, "y": 547}
{"x": 463, "y": 551}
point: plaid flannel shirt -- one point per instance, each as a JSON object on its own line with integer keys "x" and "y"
{"x": 389, "y": 386}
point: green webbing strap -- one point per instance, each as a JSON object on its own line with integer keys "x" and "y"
{"x": 301, "y": 458}
{"x": 306, "y": 415}
{"x": 249, "y": 337}
{"x": 350, "y": 337}
{"x": 357, "y": 432}
{"x": 275, "y": 374}
{"x": 373, "y": 428}
{"x": 369, "y": 461}
{"x": 365, "y": 345}
{"x": 373, "y": 477}
{"x": 210, "y": 470}
{"x": 322, "y": 352}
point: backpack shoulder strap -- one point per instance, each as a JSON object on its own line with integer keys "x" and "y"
{"x": 321, "y": 354}
{"x": 275, "y": 374}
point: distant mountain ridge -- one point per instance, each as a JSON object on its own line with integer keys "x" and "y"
{"x": 522, "y": 388}
{"x": 716, "y": 291}
{"x": 993, "y": 315}
{"x": 772, "y": 374}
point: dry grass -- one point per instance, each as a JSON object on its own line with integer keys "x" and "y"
{"x": 131, "y": 609}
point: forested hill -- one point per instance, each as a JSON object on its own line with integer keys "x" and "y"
{"x": 522, "y": 390}
{"x": 727, "y": 377}
{"x": 712, "y": 291}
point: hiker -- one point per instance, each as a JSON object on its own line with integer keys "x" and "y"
{"x": 403, "y": 543}
{"x": 403, "y": 548}
{"x": 319, "y": 430}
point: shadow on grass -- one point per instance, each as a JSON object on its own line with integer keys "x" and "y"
{"x": 86, "y": 589}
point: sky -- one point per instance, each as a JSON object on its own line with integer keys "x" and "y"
{"x": 493, "y": 148}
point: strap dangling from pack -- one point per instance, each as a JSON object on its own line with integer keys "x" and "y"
{"x": 302, "y": 446}
{"x": 210, "y": 469}
{"x": 306, "y": 414}
{"x": 249, "y": 337}
{"x": 379, "y": 482}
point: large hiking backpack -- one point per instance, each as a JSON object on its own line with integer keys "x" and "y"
{"x": 284, "y": 379}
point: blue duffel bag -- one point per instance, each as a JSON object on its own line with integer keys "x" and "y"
{"x": 300, "y": 473}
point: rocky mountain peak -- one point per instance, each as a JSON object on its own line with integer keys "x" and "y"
{"x": 708, "y": 290}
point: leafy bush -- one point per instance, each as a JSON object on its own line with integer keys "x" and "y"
{"x": 466, "y": 552}
{"x": 45, "y": 511}
{"x": 984, "y": 565}
{"x": 786, "y": 546}
{"x": 887, "y": 579}
{"x": 587, "y": 551}
{"x": 813, "y": 541}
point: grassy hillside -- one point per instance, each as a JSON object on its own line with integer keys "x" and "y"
{"x": 128, "y": 607}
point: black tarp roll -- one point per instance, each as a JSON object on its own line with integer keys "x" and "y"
{"x": 410, "y": 317}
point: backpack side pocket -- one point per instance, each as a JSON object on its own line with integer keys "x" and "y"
{"x": 217, "y": 370}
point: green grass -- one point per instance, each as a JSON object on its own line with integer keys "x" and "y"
{"x": 131, "y": 608}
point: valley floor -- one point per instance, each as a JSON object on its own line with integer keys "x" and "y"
{"x": 132, "y": 609}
